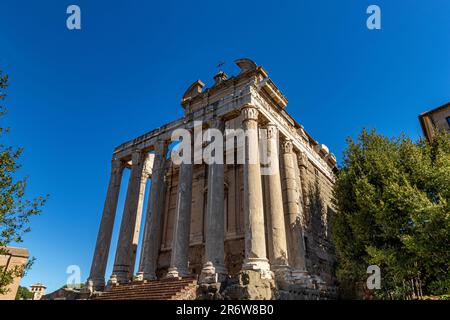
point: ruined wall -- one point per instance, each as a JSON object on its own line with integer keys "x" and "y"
{"x": 318, "y": 211}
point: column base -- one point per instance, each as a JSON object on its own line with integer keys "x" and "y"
{"x": 139, "y": 276}
{"x": 213, "y": 274}
{"x": 122, "y": 273}
{"x": 122, "y": 277}
{"x": 142, "y": 276}
{"x": 112, "y": 282}
{"x": 98, "y": 284}
{"x": 282, "y": 272}
{"x": 258, "y": 264}
{"x": 89, "y": 289}
{"x": 174, "y": 272}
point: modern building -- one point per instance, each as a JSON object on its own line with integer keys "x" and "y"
{"x": 438, "y": 118}
{"x": 38, "y": 290}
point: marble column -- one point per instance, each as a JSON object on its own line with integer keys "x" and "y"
{"x": 214, "y": 267}
{"x": 129, "y": 228}
{"x": 303, "y": 173}
{"x": 255, "y": 244}
{"x": 151, "y": 242}
{"x": 182, "y": 223}
{"x": 279, "y": 256}
{"x": 292, "y": 205}
{"x": 100, "y": 259}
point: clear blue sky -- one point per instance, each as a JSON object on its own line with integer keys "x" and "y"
{"x": 75, "y": 95}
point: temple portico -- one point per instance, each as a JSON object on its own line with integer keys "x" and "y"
{"x": 216, "y": 220}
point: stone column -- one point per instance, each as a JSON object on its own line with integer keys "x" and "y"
{"x": 182, "y": 223}
{"x": 275, "y": 199}
{"x": 151, "y": 242}
{"x": 255, "y": 244}
{"x": 127, "y": 244}
{"x": 294, "y": 229}
{"x": 100, "y": 259}
{"x": 303, "y": 169}
{"x": 214, "y": 266}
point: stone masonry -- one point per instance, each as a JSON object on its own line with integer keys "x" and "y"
{"x": 13, "y": 259}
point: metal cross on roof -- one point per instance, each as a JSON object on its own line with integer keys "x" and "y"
{"x": 220, "y": 64}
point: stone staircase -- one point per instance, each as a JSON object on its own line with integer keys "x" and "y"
{"x": 166, "y": 289}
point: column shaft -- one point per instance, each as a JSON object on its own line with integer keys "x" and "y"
{"x": 129, "y": 228}
{"x": 255, "y": 246}
{"x": 294, "y": 228}
{"x": 182, "y": 224}
{"x": 276, "y": 212}
{"x": 303, "y": 172}
{"x": 151, "y": 242}
{"x": 100, "y": 259}
{"x": 215, "y": 218}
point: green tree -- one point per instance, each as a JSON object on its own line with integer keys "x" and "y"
{"x": 393, "y": 210}
{"x": 15, "y": 209}
{"x": 76, "y": 285}
{"x": 24, "y": 294}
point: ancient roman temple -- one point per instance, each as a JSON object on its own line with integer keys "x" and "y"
{"x": 232, "y": 229}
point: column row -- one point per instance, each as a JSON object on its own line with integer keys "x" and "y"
{"x": 286, "y": 245}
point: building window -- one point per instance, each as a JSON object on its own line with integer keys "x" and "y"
{"x": 448, "y": 121}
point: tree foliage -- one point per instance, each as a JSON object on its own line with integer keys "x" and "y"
{"x": 15, "y": 208}
{"x": 393, "y": 210}
{"x": 24, "y": 294}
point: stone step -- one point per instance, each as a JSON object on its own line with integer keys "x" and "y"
{"x": 136, "y": 298}
{"x": 156, "y": 296}
{"x": 148, "y": 285}
{"x": 171, "y": 283}
{"x": 156, "y": 282}
{"x": 131, "y": 295}
{"x": 152, "y": 290}
{"x": 140, "y": 294}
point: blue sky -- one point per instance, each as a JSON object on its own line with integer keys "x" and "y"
{"x": 75, "y": 95}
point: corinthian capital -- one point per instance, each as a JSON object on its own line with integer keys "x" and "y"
{"x": 287, "y": 146}
{"x": 250, "y": 112}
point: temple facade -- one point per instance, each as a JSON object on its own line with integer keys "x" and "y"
{"x": 257, "y": 235}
